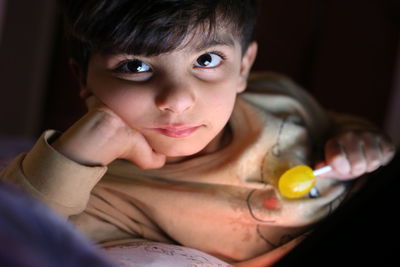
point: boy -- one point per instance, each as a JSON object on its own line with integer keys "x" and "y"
{"x": 169, "y": 152}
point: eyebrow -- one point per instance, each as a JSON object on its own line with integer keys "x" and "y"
{"x": 206, "y": 43}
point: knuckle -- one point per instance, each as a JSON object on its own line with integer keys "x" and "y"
{"x": 374, "y": 137}
{"x": 349, "y": 135}
{"x": 333, "y": 149}
{"x": 340, "y": 164}
{"x": 336, "y": 159}
{"x": 388, "y": 147}
{"x": 375, "y": 163}
{"x": 144, "y": 165}
{"x": 367, "y": 138}
{"x": 359, "y": 167}
{"x": 387, "y": 158}
{"x": 149, "y": 163}
{"x": 148, "y": 166}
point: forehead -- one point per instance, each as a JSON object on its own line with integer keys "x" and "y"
{"x": 196, "y": 39}
{"x": 199, "y": 40}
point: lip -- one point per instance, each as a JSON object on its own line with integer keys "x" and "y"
{"x": 177, "y": 131}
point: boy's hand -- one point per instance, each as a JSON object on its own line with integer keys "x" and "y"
{"x": 101, "y": 136}
{"x": 354, "y": 153}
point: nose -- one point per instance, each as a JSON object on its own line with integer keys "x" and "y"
{"x": 176, "y": 98}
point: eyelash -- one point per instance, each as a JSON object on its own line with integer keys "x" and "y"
{"x": 123, "y": 63}
{"x": 118, "y": 69}
{"x": 218, "y": 53}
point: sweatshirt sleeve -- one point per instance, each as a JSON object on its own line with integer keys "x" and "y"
{"x": 59, "y": 182}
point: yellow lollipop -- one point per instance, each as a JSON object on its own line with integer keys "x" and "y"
{"x": 299, "y": 180}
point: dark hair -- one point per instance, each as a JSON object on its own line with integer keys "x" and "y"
{"x": 151, "y": 27}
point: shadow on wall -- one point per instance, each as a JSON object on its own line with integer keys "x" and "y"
{"x": 392, "y": 124}
{"x": 2, "y": 9}
{"x": 343, "y": 52}
{"x": 346, "y": 63}
{"x": 25, "y": 53}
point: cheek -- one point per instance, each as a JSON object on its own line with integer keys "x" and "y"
{"x": 222, "y": 97}
{"x": 221, "y": 105}
{"x": 127, "y": 102}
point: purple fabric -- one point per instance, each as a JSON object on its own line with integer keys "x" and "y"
{"x": 10, "y": 147}
{"x": 31, "y": 235}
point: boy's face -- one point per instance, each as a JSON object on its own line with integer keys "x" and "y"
{"x": 179, "y": 101}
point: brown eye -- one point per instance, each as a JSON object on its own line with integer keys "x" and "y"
{"x": 133, "y": 66}
{"x": 209, "y": 60}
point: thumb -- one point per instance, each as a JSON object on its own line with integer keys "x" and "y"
{"x": 142, "y": 154}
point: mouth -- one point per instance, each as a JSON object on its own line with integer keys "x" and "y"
{"x": 177, "y": 131}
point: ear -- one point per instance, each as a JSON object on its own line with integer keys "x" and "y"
{"x": 246, "y": 64}
{"x": 80, "y": 77}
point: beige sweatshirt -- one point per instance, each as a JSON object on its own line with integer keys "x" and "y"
{"x": 225, "y": 203}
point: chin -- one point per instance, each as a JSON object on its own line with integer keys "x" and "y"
{"x": 178, "y": 150}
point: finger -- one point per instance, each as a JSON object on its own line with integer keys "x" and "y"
{"x": 372, "y": 151}
{"x": 336, "y": 157}
{"x": 387, "y": 149}
{"x": 142, "y": 154}
{"x": 353, "y": 147}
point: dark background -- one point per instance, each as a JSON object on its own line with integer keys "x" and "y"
{"x": 342, "y": 51}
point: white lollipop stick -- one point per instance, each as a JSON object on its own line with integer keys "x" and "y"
{"x": 322, "y": 170}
